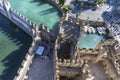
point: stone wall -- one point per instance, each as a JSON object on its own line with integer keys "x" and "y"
{"x": 25, "y": 66}
{"x": 29, "y": 28}
{"x": 16, "y": 17}
{"x": 64, "y": 63}
{"x": 21, "y": 21}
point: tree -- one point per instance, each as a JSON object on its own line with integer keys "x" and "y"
{"x": 62, "y": 2}
{"x": 82, "y": 3}
{"x": 99, "y": 1}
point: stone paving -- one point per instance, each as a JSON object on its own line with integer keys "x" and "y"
{"x": 95, "y": 15}
{"x": 41, "y": 68}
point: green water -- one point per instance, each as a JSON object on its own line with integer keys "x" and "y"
{"x": 38, "y": 11}
{"x": 14, "y": 44}
{"x": 89, "y": 40}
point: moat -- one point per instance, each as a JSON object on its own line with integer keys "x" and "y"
{"x": 14, "y": 44}
{"x": 38, "y": 11}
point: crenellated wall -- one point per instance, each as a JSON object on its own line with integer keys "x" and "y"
{"x": 16, "y": 17}
{"x": 30, "y": 28}
{"x": 25, "y": 66}
{"x": 74, "y": 64}
{"x": 21, "y": 21}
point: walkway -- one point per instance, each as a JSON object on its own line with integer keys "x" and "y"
{"x": 38, "y": 11}
{"x": 41, "y": 68}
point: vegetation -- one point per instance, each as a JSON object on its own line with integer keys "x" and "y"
{"x": 65, "y": 7}
{"x": 87, "y": 3}
{"x": 62, "y": 2}
{"x": 99, "y": 1}
{"x": 82, "y": 3}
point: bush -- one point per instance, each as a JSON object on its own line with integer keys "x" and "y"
{"x": 87, "y": 4}
{"x": 65, "y": 7}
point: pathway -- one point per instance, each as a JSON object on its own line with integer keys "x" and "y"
{"x": 41, "y": 68}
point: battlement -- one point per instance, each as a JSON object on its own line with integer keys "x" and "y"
{"x": 87, "y": 51}
{"x": 69, "y": 63}
{"x": 20, "y": 20}
{"x": 25, "y": 66}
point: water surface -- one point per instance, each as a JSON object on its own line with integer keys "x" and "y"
{"x": 14, "y": 44}
{"x": 89, "y": 40}
{"x": 38, "y": 11}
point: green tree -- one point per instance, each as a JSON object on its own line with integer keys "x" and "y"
{"x": 99, "y": 1}
{"x": 62, "y": 2}
{"x": 82, "y": 3}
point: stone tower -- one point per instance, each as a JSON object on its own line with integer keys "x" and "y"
{"x": 7, "y": 7}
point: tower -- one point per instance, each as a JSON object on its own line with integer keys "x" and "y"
{"x": 7, "y": 7}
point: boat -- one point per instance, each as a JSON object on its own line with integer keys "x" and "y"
{"x": 101, "y": 30}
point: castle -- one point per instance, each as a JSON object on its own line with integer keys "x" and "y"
{"x": 69, "y": 62}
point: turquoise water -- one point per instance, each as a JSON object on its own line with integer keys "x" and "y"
{"x": 89, "y": 40}
{"x": 14, "y": 44}
{"x": 38, "y": 11}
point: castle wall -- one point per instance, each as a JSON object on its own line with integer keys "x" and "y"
{"x": 29, "y": 28}
{"x": 22, "y": 71}
{"x": 25, "y": 66}
{"x": 16, "y": 17}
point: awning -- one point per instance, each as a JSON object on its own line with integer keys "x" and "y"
{"x": 40, "y": 50}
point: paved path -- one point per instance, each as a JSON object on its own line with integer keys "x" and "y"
{"x": 98, "y": 71}
{"x": 41, "y": 69}
{"x": 95, "y": 14}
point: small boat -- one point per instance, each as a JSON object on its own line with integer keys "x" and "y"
{"x": 91, "y": 30}
{"x": 101, "y": 30}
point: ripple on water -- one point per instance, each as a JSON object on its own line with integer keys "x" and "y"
{"x": 38, "y": 11}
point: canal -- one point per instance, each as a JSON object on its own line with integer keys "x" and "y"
{"x": 14, "y": 44}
